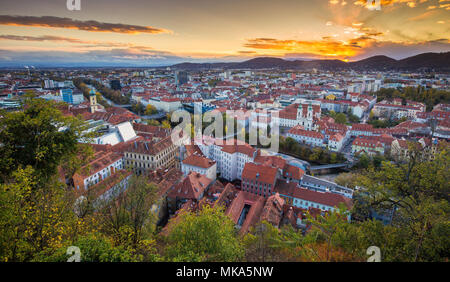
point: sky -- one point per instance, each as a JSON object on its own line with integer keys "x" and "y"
{"x": 165, "y": 32}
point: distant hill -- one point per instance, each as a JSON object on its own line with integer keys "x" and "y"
{"x": 425, "y": 61}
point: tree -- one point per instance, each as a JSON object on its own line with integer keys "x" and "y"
{"x": 150, "y": 110}
{"x": 347, "y": 179}
{"x": 363, "y": 162}
{"x": 208, "y": 235}
{"x": 35, "y": 217}
{"x": 261, "y": 243}
{"x": 153, "y": 122}
{"x": 38, "y": 136}
{"x": 419, "y": 192}
{"x": 138, "y": 108}
{"x": 340, "y": 118}
{"x": 92, "y": 249}
{"x": 327, "y": 226}
{"x": 166, "y": 124}
{"x": 127, "y": 215}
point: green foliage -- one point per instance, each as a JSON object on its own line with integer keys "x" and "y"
{"x": 378, "y": 123}
{"x": 317, "y": 155}
{"x": 150, "y": 110}
{"x": 92, "y": 249}
{"x": 347, "y": 179}
{"x": 262, "y": 243}
{"x": 207, "y": 236}
{"x": 129, "y": 219}
{"x": 153, "y": 122}
{"x": 365, "y": 161}
{"x": 166, "y": 124}
{"x": 341, "y": 118}
{"x": 138, "y": 108}
{"x": 429, "y": 96}
{"x": 113, "y": 95}
{"x": 213, "y": 82}
{"x": 419, "y": 191}
{"x": 39, "y": 136}
{"x": 35, "y": 217}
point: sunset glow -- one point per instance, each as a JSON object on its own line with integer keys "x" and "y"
{"x": 159, "y": 32}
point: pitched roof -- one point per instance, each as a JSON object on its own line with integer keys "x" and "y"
{"x": 260, "y": 173}
{"x": 198, "y": 161}
{"x": 238, "y": 146}
{"x": 324, "y": 198}
{"x": 149, "y": 148}
{"x": 192, "y": 186}
{"x": 307, "y": 133}
{"x": 273, "y": 210}
{"x": 366, "y": 142}
{"x": 100, "y": 162}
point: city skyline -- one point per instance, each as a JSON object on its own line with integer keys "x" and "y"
{"x": 155, "y": 33}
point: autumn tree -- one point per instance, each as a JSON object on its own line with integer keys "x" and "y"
{"x": 35, "y": 217}
{"x": 262, "y": 243}
{"x": 127, "y": 214}
{"x": 418, "y": 191}
{"x": 39, "y": 136}
{"x": 208, "y": 235}
{"x": 150, "y": 110}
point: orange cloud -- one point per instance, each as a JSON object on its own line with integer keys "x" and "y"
{"x": 327, "y": 47}
{"x": 370, "y": 3}
{"x": 93, "y": 26}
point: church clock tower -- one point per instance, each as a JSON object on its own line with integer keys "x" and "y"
{"x": 93, "y": 101}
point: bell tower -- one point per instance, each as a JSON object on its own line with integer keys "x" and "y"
{"x": 300, "y": 112}
{"x": 310, "y": 112}
{"x": 93, "y": 101}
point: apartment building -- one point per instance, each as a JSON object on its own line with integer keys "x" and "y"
{"x": 144, "y": 156}
{"x": 199, "y": 164}
{"x": 101, "y": 167}
{"x": 230, "y": 156}
{"x": 307, "y": 137}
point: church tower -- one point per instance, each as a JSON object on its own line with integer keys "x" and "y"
{"x": 310, "y": 112}
{"x": 300, "y": 112}
{"x": 93, "y": 101}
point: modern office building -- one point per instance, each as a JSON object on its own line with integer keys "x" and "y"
{"x": 181, "y": 77}
{"x": 115, "y": 84}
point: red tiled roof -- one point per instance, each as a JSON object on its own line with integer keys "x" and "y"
{"x": 245, "y": 198}
{"x": 149, "y": 148}
{"x": 273, "y": 210}
{"x": 238, "y": 147}
{"x": 101, "y": 161}
{"x": 366, "y": 142}
{"x": 324, "y": 198}
{"x": 191, "y": 187}
{"x": 308, "y": 133}
{"x": 198, "y": 161}
{"x": 260, "y": 173}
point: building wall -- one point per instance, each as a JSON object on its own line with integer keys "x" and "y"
{"x": 81, "y": 182}
{"x": 145, "y": 162}
{"x": 210, "y": 172}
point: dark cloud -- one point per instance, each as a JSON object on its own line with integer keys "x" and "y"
{"x": 94, "y": 26}
{"x": 87, "y": 43}
{"x": 42, "y": 38}
{"x": 114, "y": 57}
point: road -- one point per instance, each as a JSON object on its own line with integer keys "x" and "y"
{"x": 347, "y": 150}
